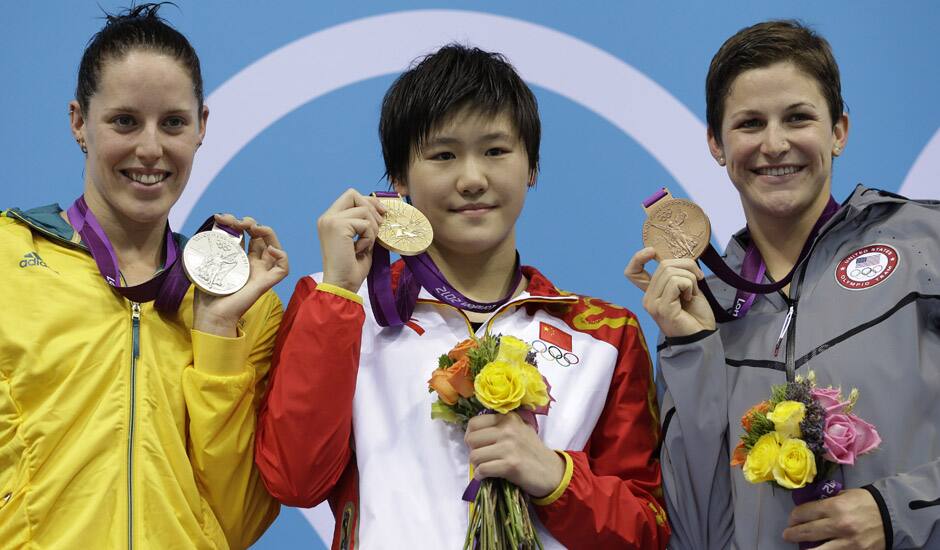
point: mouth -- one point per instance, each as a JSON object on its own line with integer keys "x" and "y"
{"x": 782, "y": 170}
{"x": 146, "y": 177}
{"x": 474, "y": 208}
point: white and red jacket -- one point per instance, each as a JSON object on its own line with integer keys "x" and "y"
{"x": 348, "y": 418}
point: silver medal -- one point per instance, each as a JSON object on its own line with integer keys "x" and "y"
{"x": 216, "y": 262}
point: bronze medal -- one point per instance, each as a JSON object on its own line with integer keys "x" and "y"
{"x": 676, "y": 228}
{"x": 405, "y": 230}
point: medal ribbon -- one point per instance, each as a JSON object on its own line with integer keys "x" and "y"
{"x": 395, "y": 308}
{"x": 753, "y": 268}
{"x": 166, "y": 287}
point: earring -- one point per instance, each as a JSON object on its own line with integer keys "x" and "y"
{"x": 721, "y": 161}
{"x": 81, "y": 145}
{"x": 837, "y": 151}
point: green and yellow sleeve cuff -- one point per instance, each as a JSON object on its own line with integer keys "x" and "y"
{"x": 339, "y": 291}
{"x": 565, "y": 481}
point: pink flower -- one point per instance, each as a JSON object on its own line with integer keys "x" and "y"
{"x": 866, "y": 436}
{"x": 830, "y": 399}
{"x": 846, "y": 436}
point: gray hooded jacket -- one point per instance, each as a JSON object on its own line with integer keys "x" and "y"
{"x": 877, "y": 330}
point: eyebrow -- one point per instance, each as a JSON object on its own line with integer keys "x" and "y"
{"x": 449, "y": 140}
{"x": 797, "y": 105}
{"x": 132, "y": 110}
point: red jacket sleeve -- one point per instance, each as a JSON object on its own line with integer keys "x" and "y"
{"x": 304, "y": 427}
{"x": 614, "y": 496}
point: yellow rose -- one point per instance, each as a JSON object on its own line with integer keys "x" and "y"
{"x": 795, "y": 466}
{"x": 536, "y": 392}
{"x": 500, "y": 386}
{"x": 511, "y": 349}
{"x": 786, "y": 417}
{"x": 760, "y": 461}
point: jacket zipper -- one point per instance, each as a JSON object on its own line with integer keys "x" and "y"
{"x": 791, "y": 315}
{"x": 135, "y": 332}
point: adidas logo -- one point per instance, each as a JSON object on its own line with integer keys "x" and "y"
{"x": 32, "y": 259}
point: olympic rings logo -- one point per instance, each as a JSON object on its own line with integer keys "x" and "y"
{"x": 551, "y": 352}
{"x": 867, "y": 271}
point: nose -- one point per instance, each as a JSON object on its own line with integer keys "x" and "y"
{"x": 776, "y": 142}
{"x": 149, "y": 145}
{"x": 472, "y": 179}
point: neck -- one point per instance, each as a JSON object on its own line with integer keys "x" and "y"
{"x": 484, "y": 276}
{"x": 780, "y": 240}
{"x": 138, "y": 246}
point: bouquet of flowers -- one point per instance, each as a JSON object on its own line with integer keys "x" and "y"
{"x": 794, "y": 439}
{"x": 492, "y": 374}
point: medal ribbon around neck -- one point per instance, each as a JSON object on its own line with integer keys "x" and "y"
{"x": 166, "y": 287}
{"x": 753, "y": 267}
{"x": 393, "y": 309}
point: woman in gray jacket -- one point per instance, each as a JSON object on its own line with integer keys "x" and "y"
{"x": 861, "y": 310}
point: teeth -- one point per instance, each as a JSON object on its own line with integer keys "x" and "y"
{"x": 778, "y": 171}
{"x": 147, "y": 179}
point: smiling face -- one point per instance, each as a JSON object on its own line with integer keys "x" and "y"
{"x": 141, "y": 130}
{"x": 470, "y": 179}
{"x": 778, "y": 141}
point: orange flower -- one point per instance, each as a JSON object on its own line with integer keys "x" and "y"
{"x": 440, "y": 382}
{"x": 461, "y": 349}
{"x": 761, "y": 407}
{"x": 739, "y": 455}
{"x": 459, "y": 377}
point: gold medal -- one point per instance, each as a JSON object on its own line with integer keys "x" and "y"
{"x": 676, "y": 228}
{"x": 404, "y": 230}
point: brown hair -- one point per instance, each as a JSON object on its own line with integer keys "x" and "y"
{"x": 765, "y": 44}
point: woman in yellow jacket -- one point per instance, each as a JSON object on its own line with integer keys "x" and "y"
{"x": 127, "y": 402}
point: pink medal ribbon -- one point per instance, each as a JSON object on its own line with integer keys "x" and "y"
{"x": 393, "y": 309}
{"x": 167, "y": 287}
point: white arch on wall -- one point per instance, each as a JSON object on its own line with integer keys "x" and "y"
{"x": 352, "y": 52}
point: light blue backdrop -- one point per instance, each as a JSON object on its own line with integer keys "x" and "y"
{"x": 294, "y": 89}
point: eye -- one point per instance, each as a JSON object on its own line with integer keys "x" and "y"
{"x": 496, "y": 151}
{"x": 443, "y": 155}
{"x": 800, "y": 117}
{"x": 174, "y": 123}
{"x": 123, "y": 121}
{"x": 750, "y": 123}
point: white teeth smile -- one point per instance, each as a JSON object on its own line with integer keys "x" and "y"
{"x": 147, "y": 179}
{"x": 778, "y": 170}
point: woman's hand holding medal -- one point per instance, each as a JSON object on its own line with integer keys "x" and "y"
{"x": 672, "y": 297}
{"x": 348, "y": 231}
{"x": 676, "y": 233}
{"x": 268, "y": 266}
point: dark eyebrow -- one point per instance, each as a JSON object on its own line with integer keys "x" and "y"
{"x": 448, "y": 140}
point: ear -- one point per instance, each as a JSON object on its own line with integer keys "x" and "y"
{"x": 840, "y": 135}
{"x": 715, "y": 148}
{"x": 77, "y": 121}
{"x": 399, "y": 187}
{"x": 203, "y": 119}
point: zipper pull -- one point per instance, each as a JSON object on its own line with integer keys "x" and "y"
{"x": 783, "y": 331}
{"x": 135, "y": 328}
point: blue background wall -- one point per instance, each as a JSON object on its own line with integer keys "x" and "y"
{"x": 620, "y": 85}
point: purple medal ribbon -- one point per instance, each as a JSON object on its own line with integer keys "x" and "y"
{"x": 752, "y": 268}
{"x": 393, "y": 309}
{"x": 167, "y": 287}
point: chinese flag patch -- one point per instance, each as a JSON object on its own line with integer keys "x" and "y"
{"x": 556, "y": 336}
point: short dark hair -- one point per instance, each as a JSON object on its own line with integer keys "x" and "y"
{"x": 765, "y": 44}
{"x": 138, "y": 27}
{"x": 441, "y": 84}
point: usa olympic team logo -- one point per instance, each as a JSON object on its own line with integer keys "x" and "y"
{"x": 867, "y": 267}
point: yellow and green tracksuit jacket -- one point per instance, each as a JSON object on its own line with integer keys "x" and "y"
{"x": 120, "y": 426}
